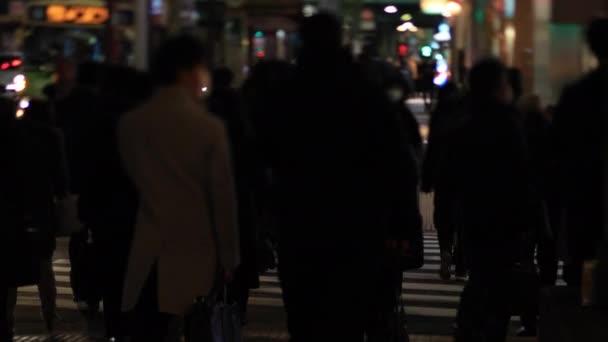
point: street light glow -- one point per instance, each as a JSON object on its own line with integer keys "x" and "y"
{"x": 390, "y": 9}
{"x": 408, "y": 26}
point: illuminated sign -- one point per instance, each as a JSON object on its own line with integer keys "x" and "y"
{"x": 77, "y": 14}
{"x": 65, "y": 14}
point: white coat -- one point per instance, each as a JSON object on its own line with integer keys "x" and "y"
{"x": 177, "y": 155}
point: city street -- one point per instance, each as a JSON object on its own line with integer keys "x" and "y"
{"x": 431, "y": 305}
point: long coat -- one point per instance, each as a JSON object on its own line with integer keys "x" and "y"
{"x": 178, "y": 158}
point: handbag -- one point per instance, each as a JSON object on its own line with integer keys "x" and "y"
{"x": 213, "y": 320}
{"x": 68, "y": 221}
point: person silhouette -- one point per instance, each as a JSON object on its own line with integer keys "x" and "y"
{"x": 579, "y": 140}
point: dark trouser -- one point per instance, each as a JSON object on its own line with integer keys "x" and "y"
{"x": 387, "y": 293}
{"x": 150, "y": 325}
{"x": 448, "y": 225}
{"x": 6, "y": 333}
{"x": 326, "y": 293}
{"x": 444, "y": 221}
{"x": 113, "y": 249}
{"x": 483, "y": 313}
{"x": 238, "y": 291}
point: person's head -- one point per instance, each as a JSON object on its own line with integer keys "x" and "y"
{"x": 124, "y": 88}
{"x": 222, "y": 78}
{"x": 597, "y": 38}
{"x": 321, "y": 35}
{"x": 181, "y": 61}
{"x": 489, "y": 80}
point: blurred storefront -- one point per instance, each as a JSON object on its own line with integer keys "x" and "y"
{"x": 543, "y": 38}
{"x": 79, "y": 29}
{"x": 11, "y": 17}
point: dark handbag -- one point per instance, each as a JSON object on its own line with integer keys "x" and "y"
{"x": 213, "y": 320}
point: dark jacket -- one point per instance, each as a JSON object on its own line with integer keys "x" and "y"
{"x": 446, "y": 120}
{"x": 248, "y": 171}
{"x": 579, "y": 127}
{"x": 494, "y": 185}
{"x": 342, "y": 169}
{"x": 33, "y": 176}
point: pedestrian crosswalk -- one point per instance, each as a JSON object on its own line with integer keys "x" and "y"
{"x": 28, "y": 296}
{"x": 427, "y": 298}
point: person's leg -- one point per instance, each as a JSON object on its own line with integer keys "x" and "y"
{"x": 468, "y": 317}
{"x": 323, "y": 295}
{"x": 496, "y": 313}
{"x": 150, "y": 325}
{"x": 547, "y": 248}
{"x": 11, "y": 307}
{"x": 238, "y": 291}
{"x": 383, "y": 303}
{"x": 6, "y": 332}
{"x": 444, "y": 223}
{"x": 77, "y": 247}
{"x": 47, "y": 292}
{"x": 300, "y": 293}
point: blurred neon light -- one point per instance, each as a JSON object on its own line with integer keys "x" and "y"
{"x": 390, "y": 9}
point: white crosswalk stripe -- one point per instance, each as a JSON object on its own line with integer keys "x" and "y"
{"x": 424, "y": 293}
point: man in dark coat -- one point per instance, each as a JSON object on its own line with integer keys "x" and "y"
{"x": 340, "y": 168}
{"x": 108, "y": 199}
{"x": 579, "y": 130}
{"x": 225, "y": 102}
{"x": 496, "y": 199}
{"x": 37, "y": 174}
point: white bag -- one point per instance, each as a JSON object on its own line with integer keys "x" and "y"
{"x": 68, "y": 222}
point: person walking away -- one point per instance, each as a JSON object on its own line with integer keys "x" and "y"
{"x": 579, "y": 140}
{"x": 108, "y": 201}
{"x": 37, "y": 121}
{"x": 225, "y": 102}
{"x": 12, "y": 215}
{"x": 43, "y": 180}
{"x": 337, "y": 155}
{"x": 75, "y": 102}
{"x": 542, "y": 246}
{"x": 177, "y": 155}
{"x": 436, "y": 178}
{"x": 497, "y": 201}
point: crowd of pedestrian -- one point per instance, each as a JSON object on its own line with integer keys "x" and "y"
{"x": 186, "y": 186}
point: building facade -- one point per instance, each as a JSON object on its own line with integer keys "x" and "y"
{"x": 543, "y": 38}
